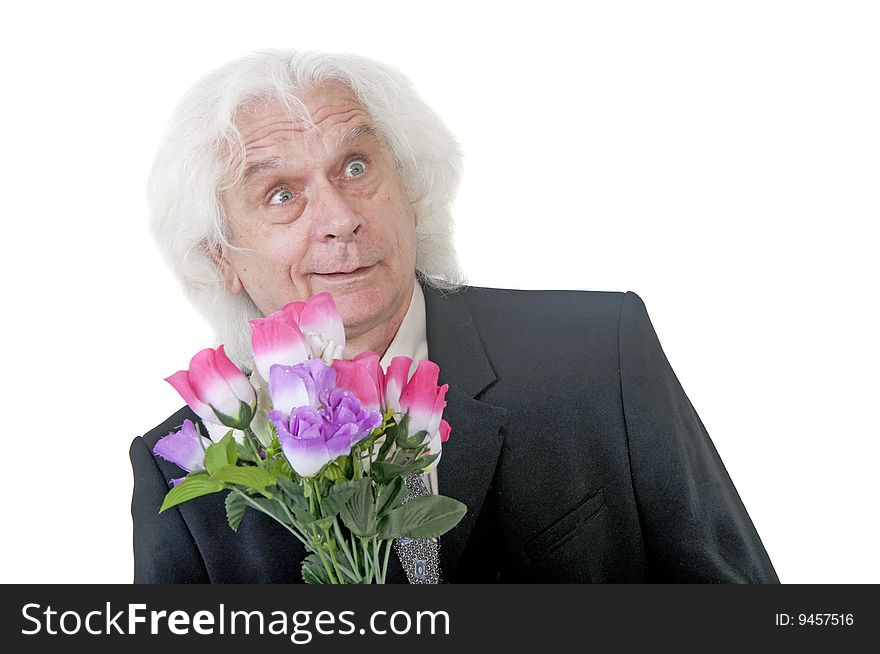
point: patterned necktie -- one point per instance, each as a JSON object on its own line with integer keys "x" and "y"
{"x": 420, "y": 558}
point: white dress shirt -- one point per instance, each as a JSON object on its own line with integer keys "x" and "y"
{"x": 411, "y": 340}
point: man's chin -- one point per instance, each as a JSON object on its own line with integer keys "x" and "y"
{"x": 361, "y": 309}
{"x": 366, "y": 303}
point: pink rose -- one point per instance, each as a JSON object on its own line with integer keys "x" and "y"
{"x": 216, "y": 390}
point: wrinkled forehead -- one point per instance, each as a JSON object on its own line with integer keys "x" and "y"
{"x": 304, "y": 107}
{"x": 330, "y": 112}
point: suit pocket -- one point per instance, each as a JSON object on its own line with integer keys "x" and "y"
{"x": 565, "y": 526}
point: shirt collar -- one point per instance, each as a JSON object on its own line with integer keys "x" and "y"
{"x": 411, "y": 337}
{"x": 411, "y": 340}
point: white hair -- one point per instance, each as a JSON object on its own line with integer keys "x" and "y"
{"x": 201, "y": 142}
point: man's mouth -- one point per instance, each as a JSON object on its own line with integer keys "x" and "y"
{"x": 347, "y": 274}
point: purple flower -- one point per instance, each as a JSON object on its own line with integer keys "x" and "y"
{"x": 300, "y": 385}
{"x": 183, "y": 449}
{"x": 343, "y": 411}
{"x": 306, "y": 441}
{"x": 316, "y": 422}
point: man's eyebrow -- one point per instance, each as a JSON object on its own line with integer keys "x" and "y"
{"x": 270, "y": 163}
{"x": 356, "y": 132}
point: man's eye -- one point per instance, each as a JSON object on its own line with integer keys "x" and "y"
{"x": 355, "y": 168}
{"x": 281, "y": 197}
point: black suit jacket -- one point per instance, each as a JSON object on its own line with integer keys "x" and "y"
{"x": 574, "y": 447}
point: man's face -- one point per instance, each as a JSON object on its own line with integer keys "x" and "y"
{"x": 315, "y": 204}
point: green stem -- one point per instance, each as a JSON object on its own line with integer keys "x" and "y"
{"x": 354, "y": 552}
{"x": 343, "y": 543}
{"x": 259, "y": 508}
{"x": 308, "y": 483}
{"x": 316, "y": 495}
{"x": 388, "y": 544}
{"x": 314, "y": 498}
{"x": 367, "y": 562}
{"x": 291, "y": 518}
{"x": 251, "y": 438}
{"x": 341, "y": 570}
{"x": 357, "y": 467}
{"x": 375, "y": 546}
{"x": 323, "y": 558}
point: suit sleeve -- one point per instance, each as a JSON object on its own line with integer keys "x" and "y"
{"x": 164, "y": 549}
{"x": 694, "y": 524}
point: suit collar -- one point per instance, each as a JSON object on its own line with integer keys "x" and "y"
{"x": 453, "y": 341}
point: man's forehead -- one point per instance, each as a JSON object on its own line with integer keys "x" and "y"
{"x": 325, "y": 110}
{"x": 331, "y": 116}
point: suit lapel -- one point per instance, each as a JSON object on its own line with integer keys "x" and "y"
{"x": 467, "y": 464}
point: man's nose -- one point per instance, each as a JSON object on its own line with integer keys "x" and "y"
{"x": 335, "y": 217}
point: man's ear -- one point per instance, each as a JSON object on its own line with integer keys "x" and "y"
{"x": 227, "y": 270}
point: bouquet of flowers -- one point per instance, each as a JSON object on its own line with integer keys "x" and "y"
{"x": 325, "y": 446}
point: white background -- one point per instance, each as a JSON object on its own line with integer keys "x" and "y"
{"x": 720, "y": 159}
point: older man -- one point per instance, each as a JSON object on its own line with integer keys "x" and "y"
{"x": 574, "y": 446}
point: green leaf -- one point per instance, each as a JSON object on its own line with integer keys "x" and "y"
{"x": 390, "y": 496}
{"x": 332, "y": 473}
{"x": 405, "y": 440}
{"x": 364, "y": 444}
{"x": 324, "y": 523}
{"x": 256, "y": 478}
{"x": 240, "y": 421}
{"x": 390, "y": 437}
{"x": 358, "y": 513}
{"x": 230, "y": 443}
{"x": 322, "y": 485}
{"x": 402, "y": 432}
{"x": 303, "y": 516}
{"x": 338, "y": 496}
{"x": 272, "y": 509}
{"x": 279, "y": 467}
{"x": 236, "y": 505}
{"x": 427, "y": 516}
{"x": 345, "y": 466}
{"x": 245, "y": 453}
{"x": 415, "y": 441}
{"x": 189, "y": 489}
{"x": 313, "y": 570}
{"x": 220, "y": 454}
{"x": 290, "y": 487}
{"x": 293, "y": 493}
{"x": 385, "y": 472}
